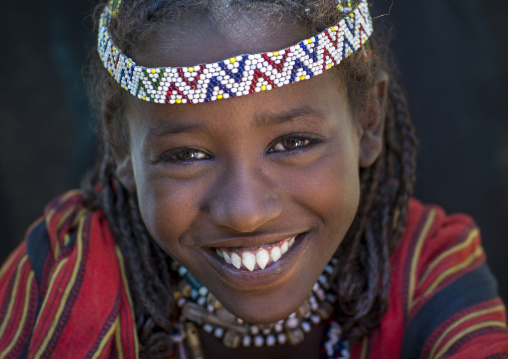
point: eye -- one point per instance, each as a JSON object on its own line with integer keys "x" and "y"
{"x": 291, "y": 143}
{"x": 184, "y": 155}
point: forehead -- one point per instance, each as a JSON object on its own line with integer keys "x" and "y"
{"x": 200, "y": 38}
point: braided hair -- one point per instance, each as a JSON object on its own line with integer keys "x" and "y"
{"x": 361, "y": 279}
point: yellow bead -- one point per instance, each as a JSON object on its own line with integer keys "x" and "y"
{"x": 263, "y": 88}
{"x": 178, "y": 100}
{"x": 309, "y": 41}
{"x": 329, "y": 66}
{"x": 144, "y": 98}
{"x": 232, "y": 60}
{"x": 276, "y": 53}
{"x": 219, "y": 97}
{"x": 302, "y": 77}
{"x": 339, "y": 7}
{"x": 351, "y": 16}
{"x": 332, "y": 28}
{"x": 191, "y": 69}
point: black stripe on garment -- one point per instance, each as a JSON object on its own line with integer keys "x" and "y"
{"x": 471, "y": 289}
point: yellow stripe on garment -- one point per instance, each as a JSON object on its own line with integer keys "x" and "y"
{"x": 64, "y": 198}
{"x": 69, "y": 194}
{"x": 65, "y": 216}
{"x": 50, "y": 216}
{"x": 365, "y": 347}
{"x": 66, "y": 239}
{"x": 416, "y": 256}
{"x": 472, "y": 235}
{"x": 459, "y": 322}
{"x": 105, "y": 340}
{"x": 58, "y": 269}
{"x": 82, "y": 212}
{"x": 129, "y": 298}
{"x": 21, "y": 323}
{"x": 56, "y": 250}
{"x": 118, "y": 341}
{"x": 477, "y": 253}
{"x": 66, "y": 291}
{"x": 14, "y": 296}
{"x": 490, "y": 323}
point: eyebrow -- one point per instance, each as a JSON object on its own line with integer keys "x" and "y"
{"x": 170, "y": 128}
{"x": 264, "y": 120}
{"x": 305, "y": 113}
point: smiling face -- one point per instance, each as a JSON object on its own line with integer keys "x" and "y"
{"x": 269, "y": 180}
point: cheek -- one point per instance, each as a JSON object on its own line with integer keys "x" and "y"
{"x": 331, "y": 188}
{"x": 167, "y": 208}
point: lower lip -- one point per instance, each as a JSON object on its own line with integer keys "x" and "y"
{"x": 274, "y": 274}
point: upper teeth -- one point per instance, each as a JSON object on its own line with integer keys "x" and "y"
{"x": 256, "y": 258}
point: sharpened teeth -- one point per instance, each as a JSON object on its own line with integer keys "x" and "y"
{"x": 255, "y": 258}
{"x": 262, "y": 258}
{"x": 284, "y": 248}
{"x": 275, "y": 254}
{"x": 227, "y": 258}
{"x": 236, "y": 260}
{"x": 249, "y": 260}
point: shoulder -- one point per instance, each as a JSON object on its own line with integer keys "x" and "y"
{"x": 443, "y": 298}
{"x": 436, "y": 251}
{"x": 67, "y": 267}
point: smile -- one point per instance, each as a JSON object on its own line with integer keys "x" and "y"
{"x": 255, "y": 258}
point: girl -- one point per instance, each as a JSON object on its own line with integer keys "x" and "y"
{"x": 254, "y": 199}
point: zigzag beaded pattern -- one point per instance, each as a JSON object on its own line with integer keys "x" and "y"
{"x": 240, "y": 75}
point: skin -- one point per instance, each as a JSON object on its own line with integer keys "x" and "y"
{"x": 249, "y": 170}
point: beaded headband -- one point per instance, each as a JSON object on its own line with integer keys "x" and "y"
{"x": 240, "y": 75}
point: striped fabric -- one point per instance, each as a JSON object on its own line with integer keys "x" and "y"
{"x": 64, "y": 294}
{"x": 443, "y": 298}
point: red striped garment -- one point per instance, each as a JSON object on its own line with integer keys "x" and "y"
{"x": 63, "y": 291}
{"x": 64, "y": 294}
{"x": 443, "y": 298}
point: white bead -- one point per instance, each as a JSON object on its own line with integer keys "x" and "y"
{"x": 270, "y": 340}
{"x": 207, "y": 328}
{"x": 258, "y": 341}
{"x": 282, "y": 338}
{"x": 247, "y": 340}
{"x": 218, "y": 332}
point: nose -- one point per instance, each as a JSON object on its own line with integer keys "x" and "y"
{"x": 245, "y": 199}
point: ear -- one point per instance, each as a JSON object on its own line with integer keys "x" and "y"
{"x": 116, "y": 136}
{"x": 125, "y": 172}
{"x": 372, "y": 120}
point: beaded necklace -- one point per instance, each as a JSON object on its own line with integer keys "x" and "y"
{"x": 200, "y": 307}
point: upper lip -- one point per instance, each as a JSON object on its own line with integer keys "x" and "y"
{"x": 246, "y": 241}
